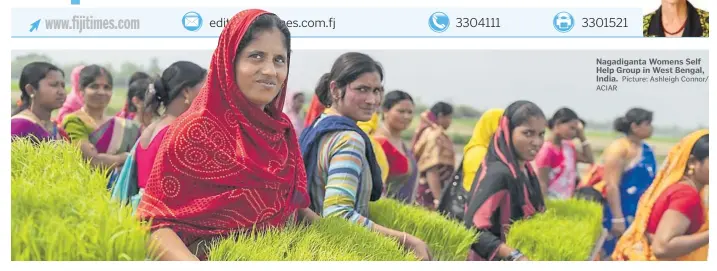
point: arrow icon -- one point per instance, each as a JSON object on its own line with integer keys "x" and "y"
{"x": 35, "y": 25}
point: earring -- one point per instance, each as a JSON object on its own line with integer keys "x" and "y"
{"x": 186, "y": 101}
{"x": 691, "y": 171}
{"x": 32, "y": 96}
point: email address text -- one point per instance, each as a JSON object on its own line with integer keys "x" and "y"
{"x": 321, "y": 23}
{"x": 82, "y": 22}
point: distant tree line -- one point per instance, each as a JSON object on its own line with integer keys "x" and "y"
{"x": 122, "y": 74}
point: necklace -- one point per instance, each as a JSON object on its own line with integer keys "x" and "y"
{"x": 678, "y": 30}
{"x": 91, "y": 118}
{"x": 45, "y": 124}
{"x": 395, "y": 141}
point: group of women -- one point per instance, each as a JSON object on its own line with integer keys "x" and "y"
{"x": 203, "y": 154}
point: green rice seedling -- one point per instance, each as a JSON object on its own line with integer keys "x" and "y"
{"x": 567, "y": 231}
{"x": 448, "y": 239}
{"x": 329, "y": 239}
{"x": 61, "y": 209}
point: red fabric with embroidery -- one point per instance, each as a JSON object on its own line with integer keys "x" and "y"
{"x": 225, "y": 165}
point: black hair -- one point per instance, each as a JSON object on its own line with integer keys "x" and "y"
{"x": 520, "y": 112}
{"x": 442, "y": 108}
{"x": 394, "y": 97}
{"x": 589, "y": 193}
{"x": 345, "y": 70}
{"x": 701, "y": 149}
{"x": 169, "y": 86}
{"x": 634, "y": 115}
{"x": 31, "y": 74}
{"x": 138, "y": 88}
{"x": 563, "y": 115}
{"x": 137, "y": 76}
{"x": 263, "y": 23}
{"x": 90, "y": 73}
{"x": 297, "y": 94}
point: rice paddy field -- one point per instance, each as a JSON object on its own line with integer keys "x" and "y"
{"x": 61, "y": 210}
{"x": 67, "y": 215}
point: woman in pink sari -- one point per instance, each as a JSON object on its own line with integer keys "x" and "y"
{"x": 173, "y": 92}
{"x": 74, "y": 101}
{"x": 43, "y": 91}
{"x": 293, "y": 108}
{"x": 558, "y": 158}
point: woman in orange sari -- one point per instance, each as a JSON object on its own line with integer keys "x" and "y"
{"x": 231, "y": 162}
{"x": 671, "y": 222}
{"x": 401, "y": 183}
{"x": 434, "y": 152}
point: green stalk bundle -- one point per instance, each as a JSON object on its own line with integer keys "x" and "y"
{"x": 61, "y": 209}
{"x": 329, "y": 239}
{"x": 567, "y": 231}
{"x": 449, "y": 240}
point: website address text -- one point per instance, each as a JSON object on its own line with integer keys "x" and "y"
{"x": 82, "y": 22}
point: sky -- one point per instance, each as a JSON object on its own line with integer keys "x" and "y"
{"x": 480, "y": 78}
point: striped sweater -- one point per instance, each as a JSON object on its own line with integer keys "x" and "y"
{"x": 345, "y": 178}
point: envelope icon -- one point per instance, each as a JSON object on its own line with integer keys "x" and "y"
{"x": 191, "y": 21}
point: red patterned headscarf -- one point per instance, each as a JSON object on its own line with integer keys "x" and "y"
{"x": 225, "y": 165}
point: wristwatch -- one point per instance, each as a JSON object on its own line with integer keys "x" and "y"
{"x": 515, "y": 255}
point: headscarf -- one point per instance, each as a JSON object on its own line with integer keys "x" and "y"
{"x": 432, "y": 147}
{"x": 295, "y": 118}
{"x": 225, "y": 165}
{"x": 633, "y": 244}
{"x": 426, "y": 119}
{"x": 316, "y": 108}
{"x": 501, "y": 155}
{"x": 477, "y": 147}
{"x": 369, "y": 127}
{"x": 74, "y": 101}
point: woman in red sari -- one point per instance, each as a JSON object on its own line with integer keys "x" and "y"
{"x": 401, "y": 183}
{"x": 231, "y": 162}
{"x": 315, "y": 110}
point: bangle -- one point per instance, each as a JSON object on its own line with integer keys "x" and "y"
{"x": 515, "y": 255}
{"x": 618, "y": 220}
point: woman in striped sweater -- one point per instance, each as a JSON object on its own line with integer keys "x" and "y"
{"x": 342, "y": 173}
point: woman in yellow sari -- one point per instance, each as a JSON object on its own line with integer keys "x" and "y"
{"x": 370, "y": 127}
{"x": 477, "y": 147}
{"x": 671, "y": 222}
{"x": 104, "y": 140}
